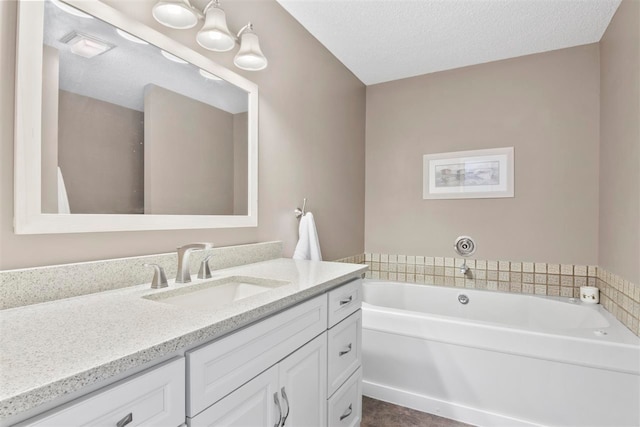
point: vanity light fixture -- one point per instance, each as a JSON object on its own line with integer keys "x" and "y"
{"x": 173, "y": 58}
{"x": 70, "y": 9}
{"x": 214, "y": 34}
{"x": 208, "y": 75}
{"x": 250, "y": 56}
{"x": 130, "y": 37}
{"x": 85, "y": 45}
{"x": 178, "y": 14}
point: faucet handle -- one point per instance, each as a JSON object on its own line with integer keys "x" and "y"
{"x": 205, "y": 271}
{"x": 196, "y": 246}
{"x": 159, "y": 278}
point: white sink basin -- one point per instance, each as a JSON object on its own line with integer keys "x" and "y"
{"x": 216, "y": 293}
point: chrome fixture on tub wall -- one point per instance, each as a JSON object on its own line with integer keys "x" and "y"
{"x": 465, "y": 246}
{"x": 214, "y": 34}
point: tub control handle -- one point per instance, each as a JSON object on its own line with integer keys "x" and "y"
{"x": 343, "y": 352}
{"x": 348, "y": 412}
{"x": 126, "y": 420}
{"x": 346, "y": 300}
{"x": 277, "y": 401}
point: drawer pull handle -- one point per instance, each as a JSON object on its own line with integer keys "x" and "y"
{"x": 126, "y": 420}
{"x": 346, "y": 300}
{"x": 277, "y": 401}
{"x": 343, "y": 352}
{"x": 286, "y": 399}
{"x": 348, "y": 412}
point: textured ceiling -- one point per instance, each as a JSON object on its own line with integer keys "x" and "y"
{"x": 388, "y": 40}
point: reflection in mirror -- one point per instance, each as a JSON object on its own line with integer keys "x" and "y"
{"x": 130, "y": 129}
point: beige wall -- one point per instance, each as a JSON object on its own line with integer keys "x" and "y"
{"x": 188, "y": 156}
{"x": 545, "y": 105}
{"x": 240, "y": 163}
{"x": 619, "y": 247}
{"x": 311, "y": 138}
{"x": 50, "y": 87}
{"x": 101, "y": 155}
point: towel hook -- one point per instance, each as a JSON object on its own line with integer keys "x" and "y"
{"x": 300, "y": 212}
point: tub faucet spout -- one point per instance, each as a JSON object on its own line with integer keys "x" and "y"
{"x": 464, "y": 269}
{"x": 184, "y": 274}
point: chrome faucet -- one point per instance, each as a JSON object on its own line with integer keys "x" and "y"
{"x": 464, "y": 269}
{"x": 184, "y": 275}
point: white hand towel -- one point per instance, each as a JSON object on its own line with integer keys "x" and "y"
{"x": 63, "y": 200}
{"x": 308, "y": 246}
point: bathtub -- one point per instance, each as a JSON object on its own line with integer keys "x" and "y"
{"x": 501, "y": 359}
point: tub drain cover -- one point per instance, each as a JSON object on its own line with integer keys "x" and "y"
{"x": 465, "y": 246}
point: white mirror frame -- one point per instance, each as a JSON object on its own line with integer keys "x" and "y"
{"x": 29, "y": 218}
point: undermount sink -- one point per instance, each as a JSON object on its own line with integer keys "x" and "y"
{"x": 216, "y": 293}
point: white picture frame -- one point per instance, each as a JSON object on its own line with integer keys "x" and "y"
{"x": 475, "y": 174}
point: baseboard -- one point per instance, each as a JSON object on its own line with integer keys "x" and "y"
{"x": 441, "y": 408}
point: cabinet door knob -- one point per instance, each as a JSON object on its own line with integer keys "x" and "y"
{"x": 286, "y": 399}
{"x": 126, "y": 420}
{"x": 343, "y": 352}
{"x": 348, "y": 412}
{"x": 346, "y": 300}
{"x": 277, "y": 401}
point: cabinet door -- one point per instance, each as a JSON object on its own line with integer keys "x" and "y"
{"x": 303, "y": 385}
{"x": 254, "y": 404}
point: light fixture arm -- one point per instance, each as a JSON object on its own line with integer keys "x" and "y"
{"x": 248, "y": 27}
{"x": 212, "y": 3}
{"x": 197, "y": 11}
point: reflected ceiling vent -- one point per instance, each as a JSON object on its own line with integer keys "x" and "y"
{"x": 85, "y": 45}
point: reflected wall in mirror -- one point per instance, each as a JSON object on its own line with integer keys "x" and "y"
{"x": 128, "y": 130}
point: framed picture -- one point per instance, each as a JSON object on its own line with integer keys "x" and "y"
{"x": 468, "y": 174}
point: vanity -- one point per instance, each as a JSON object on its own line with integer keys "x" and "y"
{"x": 288, "y": 355}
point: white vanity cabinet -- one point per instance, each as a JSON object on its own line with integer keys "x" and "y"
{"x": 297, "y": 368}
{"x": 154, "y": 397}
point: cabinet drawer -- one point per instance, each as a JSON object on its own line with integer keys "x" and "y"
{"x": 151, "y": 398}
{"x": 344, "y": 300}
{"x": 345, "y": 350}
{"x": 345, "y": 406}
{"x": 217, "y": 369}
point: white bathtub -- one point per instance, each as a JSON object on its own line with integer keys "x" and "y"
{"x": 502, "y": 359}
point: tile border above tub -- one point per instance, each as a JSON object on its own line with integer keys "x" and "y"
{"x": 618, "y": 296}
{"x": 49, "y": 283}
{"x": 355, "y": 259}
{"x": 505, "y": 276}
{"x": 621, "y": 298}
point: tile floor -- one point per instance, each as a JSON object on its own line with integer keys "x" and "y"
{"x": 376, "y": 413}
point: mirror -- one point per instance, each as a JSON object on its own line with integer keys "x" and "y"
{"x": 121, "y": 128}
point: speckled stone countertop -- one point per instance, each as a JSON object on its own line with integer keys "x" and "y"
{"x": 52, "y": 349}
